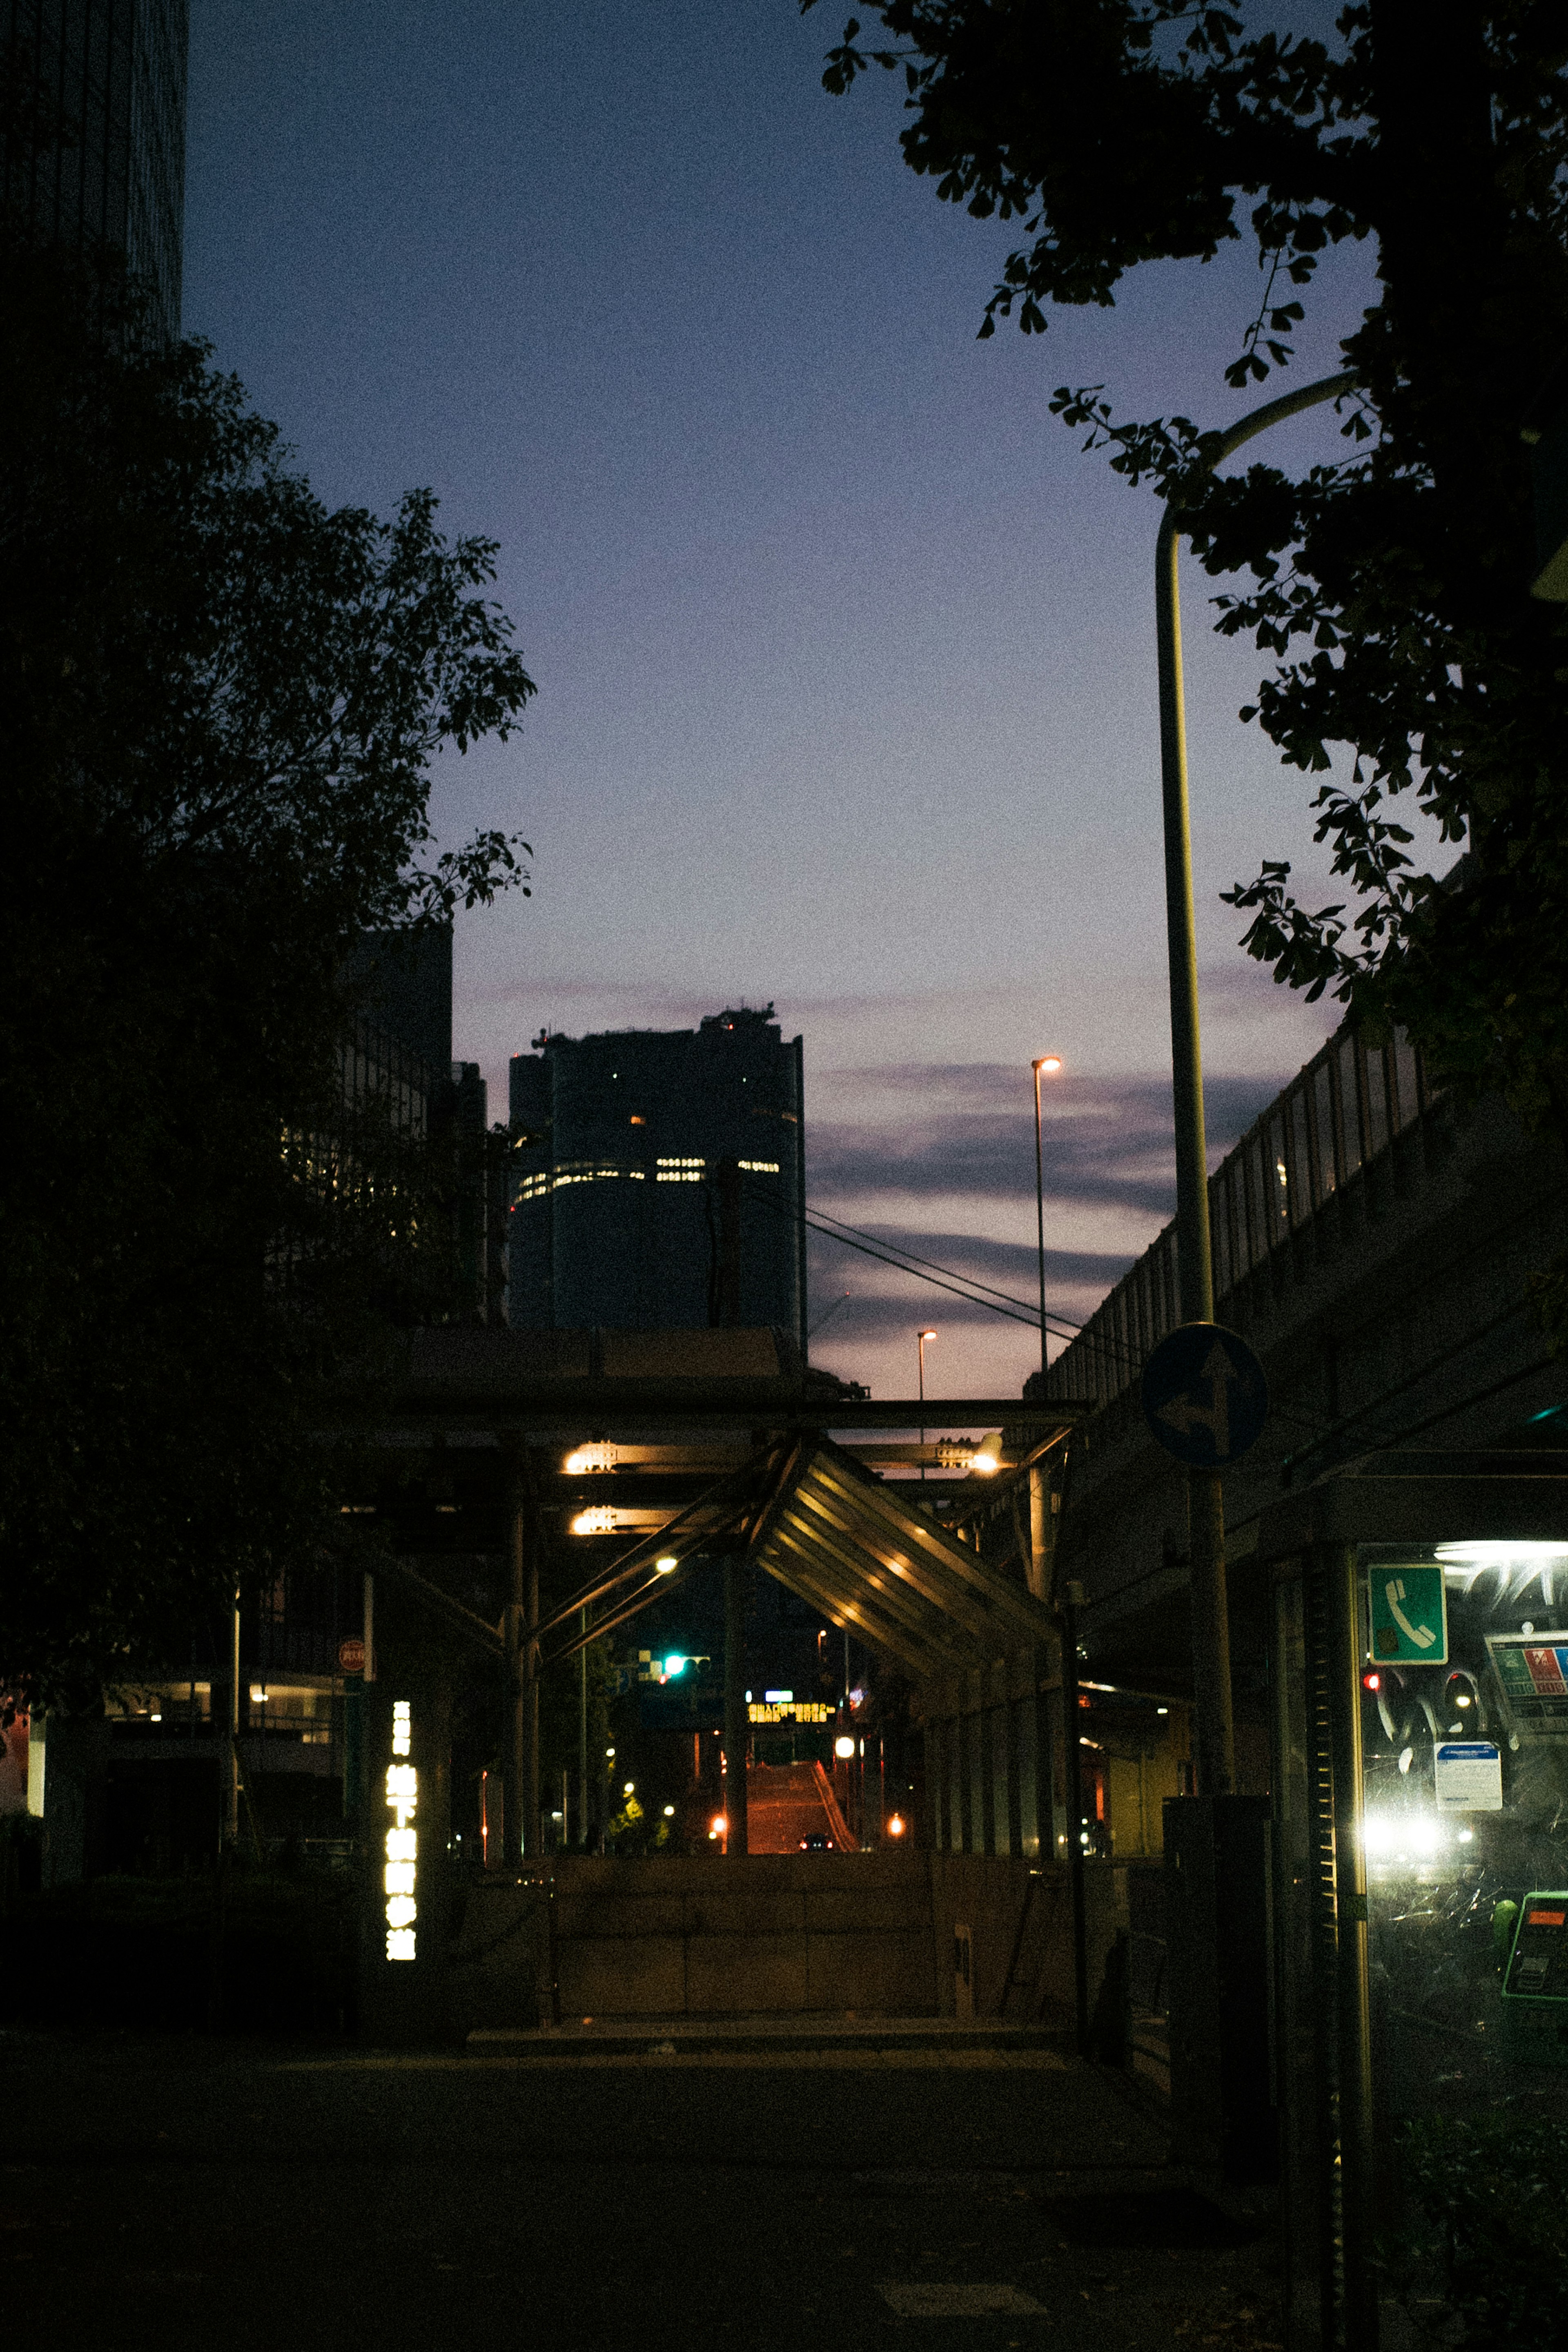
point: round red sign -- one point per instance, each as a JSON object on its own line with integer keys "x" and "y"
{"x": 351, "y": 1655}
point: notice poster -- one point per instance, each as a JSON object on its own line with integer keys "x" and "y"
{"x": 1468, "y": 1776}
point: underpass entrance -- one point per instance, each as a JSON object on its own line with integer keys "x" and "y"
{"x": 736, "y": 1458}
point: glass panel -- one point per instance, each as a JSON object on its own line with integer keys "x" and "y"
{"x": 1025, "y": 1747}
{"x": 1278, "y": 1180}
{"x": 1377, "y": 1102}
{"x": 1349, "y": 1058}
{"x": 1464, "y": 1790}
{"x": 1301, "y": 1193}
{"x": 1253, "y": 1159}
{"x": 1219, "y": 1232}
{"x": 1236, "y": 1221}
{"x": 1322, "y": 1109}
{"x": 1104, "y": 1381}
{"x": 1115, "y": 1345}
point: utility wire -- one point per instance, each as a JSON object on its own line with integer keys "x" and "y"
{"x": 942, "y": 1278}
{"x": 1016, "y": 1313}
{"x": 1064, "y": 1321}
{"x": 980, "y": 1294}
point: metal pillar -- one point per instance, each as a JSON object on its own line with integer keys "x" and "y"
{"x": 1352, "y": 1990}
{"x": 1040, "y": 1560}
{"x": 231, "y": 1802}
{"x": 798, "y": 1049}
{"x": 1072, "y": 1594}
{"x": 532, "y": 1844}
{"x": 1210, "y": 1634}
{"x": 514, "y": 1748}
{"x": 736, "y": 1723}
{"x": 583, "y": 1735}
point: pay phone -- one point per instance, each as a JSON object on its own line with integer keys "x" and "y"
{"x": 1535, "y": 1981}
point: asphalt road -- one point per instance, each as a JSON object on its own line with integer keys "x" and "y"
{"x": 187, "y": 2194}
{"x": 784, "y": 1808}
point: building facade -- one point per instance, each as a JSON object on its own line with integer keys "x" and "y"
{"x": 399, "y": 1059}
{"x": 92, "y": 147}
{"x": 658, "y": 1180}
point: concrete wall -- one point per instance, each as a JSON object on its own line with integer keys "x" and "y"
{"x": 772, "y": 1935}
{"x": 775, "y": 1935}
{"x": 1019, "y": 1919}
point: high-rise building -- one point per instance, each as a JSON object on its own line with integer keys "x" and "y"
{"x": 658, "y": 1179}
{"x": 399, "y": 1055}
{"x": 92, "y": 136}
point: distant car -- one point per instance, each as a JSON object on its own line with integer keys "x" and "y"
{"x": 818, "y": 1843}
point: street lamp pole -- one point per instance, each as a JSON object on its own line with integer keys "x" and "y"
{"x": 923, "y": 1337}
{"x": 1194, "y": 1261}
{"x": 1043, "y": 1063}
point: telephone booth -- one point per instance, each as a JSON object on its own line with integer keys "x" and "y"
{"x": 1419, "y": 1677}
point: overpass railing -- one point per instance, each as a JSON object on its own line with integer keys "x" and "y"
{"x": 1333, "y": 1122}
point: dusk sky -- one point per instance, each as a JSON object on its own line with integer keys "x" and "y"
{"x": 845, "y": 651}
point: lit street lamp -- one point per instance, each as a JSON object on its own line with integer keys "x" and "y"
{"x": 1046, "y": 1066}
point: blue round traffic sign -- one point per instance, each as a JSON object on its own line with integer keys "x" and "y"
{"x": 1205, "y": 1398}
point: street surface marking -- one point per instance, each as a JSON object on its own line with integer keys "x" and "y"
{"x": 924, "y": 2300}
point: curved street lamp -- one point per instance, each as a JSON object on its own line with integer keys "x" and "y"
{"x": 1195, "y": 1260}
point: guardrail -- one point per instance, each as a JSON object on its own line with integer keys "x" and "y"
{"x": 1318, "y": 1136}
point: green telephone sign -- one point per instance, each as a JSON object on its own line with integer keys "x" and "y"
{"x": 1409, "y": 1615}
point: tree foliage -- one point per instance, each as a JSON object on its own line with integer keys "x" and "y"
{"x": 219, "y": 704}
{"x": 1391, "y": 589}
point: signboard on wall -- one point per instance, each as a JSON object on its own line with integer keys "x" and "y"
{"x": 1409, "y": 1615}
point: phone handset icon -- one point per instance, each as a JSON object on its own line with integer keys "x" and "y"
{"x": 1421, "y": 1635}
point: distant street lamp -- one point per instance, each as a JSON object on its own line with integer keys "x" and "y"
{"x": 922, "y": 1337}
{"x": 1046, "y": 1066}
{"x": 1194, "y": 1263}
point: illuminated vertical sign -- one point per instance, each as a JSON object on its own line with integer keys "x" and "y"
{"x": 402, "y": 1841}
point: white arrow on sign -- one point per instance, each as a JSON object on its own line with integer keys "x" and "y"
{"x": 1185, "y": 1412}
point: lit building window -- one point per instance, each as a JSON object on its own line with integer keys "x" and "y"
{"x": 760, "y": 1167}
{"x": 680, "y": 1171}
{"x": 573, "y": 1171}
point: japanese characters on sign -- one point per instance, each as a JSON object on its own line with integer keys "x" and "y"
{"x": 401, "y": 1841}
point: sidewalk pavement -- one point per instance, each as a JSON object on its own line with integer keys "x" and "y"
{"x": 723, "y": 2184}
